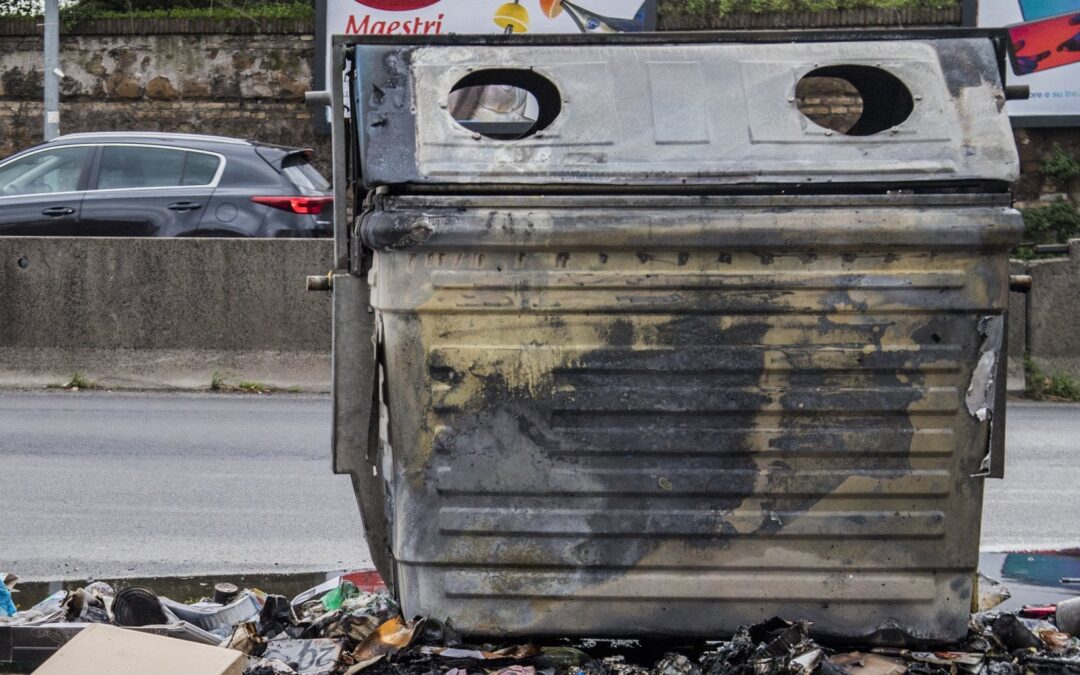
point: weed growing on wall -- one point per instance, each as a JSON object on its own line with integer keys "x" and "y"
{"x": 1057, "y": 222}
{"x": 1061, "y": 167}
{"x": 1054, "y": 387}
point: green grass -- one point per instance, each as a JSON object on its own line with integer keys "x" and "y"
{"x": 218, "y": 383}
{"x": 723, "y": 7}
{"x": 293, "y": 10}
{"x": 78, "y": 381}
{"x": 1053, "y": 387}
{"x": 89, "y": 10}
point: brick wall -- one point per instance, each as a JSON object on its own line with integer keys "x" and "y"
{"x": 831, "y": 102}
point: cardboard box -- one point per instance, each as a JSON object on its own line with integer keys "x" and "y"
{"x": 100, "y": 649}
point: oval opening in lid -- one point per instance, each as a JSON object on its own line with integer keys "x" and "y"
{"x": 854, "y": 100}
{"x": 504, "y": 103}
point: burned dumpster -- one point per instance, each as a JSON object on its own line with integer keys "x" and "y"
{"x": 647, "y": 350}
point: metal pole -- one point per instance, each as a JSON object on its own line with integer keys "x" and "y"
{"x": 52, "y": 69}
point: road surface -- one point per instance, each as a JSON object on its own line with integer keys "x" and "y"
{"x": 147, "y": 484}
{"x": 1037, "y": 505}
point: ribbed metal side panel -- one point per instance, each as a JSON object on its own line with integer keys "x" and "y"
{"x": 681, "y": 441}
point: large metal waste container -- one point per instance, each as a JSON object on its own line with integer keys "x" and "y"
{"x": 675, "y": 358}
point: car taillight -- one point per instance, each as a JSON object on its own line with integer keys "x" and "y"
{"x": 308, "y": 206}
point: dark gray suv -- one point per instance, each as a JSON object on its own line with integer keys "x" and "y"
{"x": 162, "y": 185}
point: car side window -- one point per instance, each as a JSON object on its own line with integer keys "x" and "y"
{"x": 44, "y": 172}
{"x": 199, "y": 169}
{"x": 138, "y": 167}
{"x": 142, "y": 167}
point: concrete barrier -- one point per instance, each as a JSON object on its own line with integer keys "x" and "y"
{"x": 163, "y": 312}
{"x": 173, "y": 312}
{"x": 1053, "y": 313}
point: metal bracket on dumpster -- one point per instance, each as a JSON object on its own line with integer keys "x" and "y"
{"x": 356, "y": 409}
{"x": 984, "y": 396}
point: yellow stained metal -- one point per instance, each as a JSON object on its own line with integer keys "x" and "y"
{"x": 679, "y": 441}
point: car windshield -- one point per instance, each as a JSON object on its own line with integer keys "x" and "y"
{"x": 44, "y": 172}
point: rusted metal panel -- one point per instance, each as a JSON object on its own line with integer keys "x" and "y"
{"x": 684, "y": 114}
{"x": 621, "y": 399}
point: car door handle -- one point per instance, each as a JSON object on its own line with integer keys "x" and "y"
{"x": 184, "y": 206}
{"x": 57, "y": 211}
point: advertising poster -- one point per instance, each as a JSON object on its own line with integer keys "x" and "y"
{"x": 438, "y": 17}
{"x": 1044, "y": 53}
{"x": 427, "y": 17}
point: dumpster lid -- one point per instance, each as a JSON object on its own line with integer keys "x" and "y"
{"x": 683, "y": 109}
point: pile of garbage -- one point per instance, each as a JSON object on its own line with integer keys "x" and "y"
{"x": 351, "y": 625}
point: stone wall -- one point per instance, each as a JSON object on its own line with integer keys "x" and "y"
{"x": 248, "y": 81}
{"x": 1053, "y": 313}
{"x": 244, "y": 85}
{"x": 1035, "y": 146}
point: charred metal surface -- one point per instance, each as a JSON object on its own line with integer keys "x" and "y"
{"x": 355, "y": 430}
{"x": 645, "y": 414}
{"x": 623, "y": 117}
{"x": 983, "y": 397}
{"x": 682, "y": 438}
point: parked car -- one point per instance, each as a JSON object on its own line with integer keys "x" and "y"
{"x": 163, "y": 185}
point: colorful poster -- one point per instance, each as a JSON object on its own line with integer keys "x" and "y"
{"x": 1049, "y": 43}
{"x": 1044, "y": 53}
{"x": 428, "y": 17}
{"x": 1041, "y": 9}
{"x": 436, "y": 17}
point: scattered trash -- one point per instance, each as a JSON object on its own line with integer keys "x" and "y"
{"x": 389, "y": 638}
{"x": 85, "y": 606}
{"x": 7, "y": 586}
{"x": 1014, "y": 634}
{"x": 340, "y": 628}
{"x": 246, "y": 639}
{"x": 100, "y": 649}
{"x": 1037, "y": 611}
{"x": 1067, "y": 615}
{"x": 517, "y": 652}
{"x": 306, "y": 657}
{"x": 137, "y": 606}
{"x": 345, "y": 591}
{"x": 367, "y": 581}
{"x": 224, "y": 593}
{"x": 991, "y": 593}
{"x": 858, "y": 663}
{"x": 216, "y": 618}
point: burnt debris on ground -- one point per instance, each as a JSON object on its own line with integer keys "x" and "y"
{"x": 350, "y": 625}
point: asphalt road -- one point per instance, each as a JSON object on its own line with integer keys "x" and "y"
{"x": 1037, "y": 505}
{"x": 147, "y": 484}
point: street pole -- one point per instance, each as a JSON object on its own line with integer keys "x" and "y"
{"x": 52, "y": 69}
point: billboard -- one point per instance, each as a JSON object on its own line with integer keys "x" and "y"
{"x": 435, "y": 17}
{"x": 1044, "y": 53}
{"x": 426, "y": 17}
